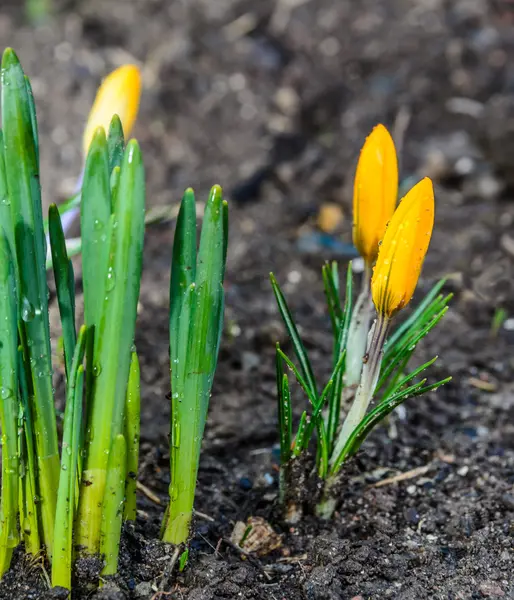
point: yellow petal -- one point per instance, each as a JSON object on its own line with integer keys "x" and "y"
{"x": 118, "y": 94}
{"x": 375, "y": 192}
{"x": 403, "y": 250}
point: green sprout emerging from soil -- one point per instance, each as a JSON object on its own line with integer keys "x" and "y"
{"x": 370, "y": 362}
{"x": 68, "y": 495}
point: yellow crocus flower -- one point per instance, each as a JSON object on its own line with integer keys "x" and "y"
{"x": 375, "y": 192}
{"x": 118, "y": 94}
{"x": 403, "y": 250}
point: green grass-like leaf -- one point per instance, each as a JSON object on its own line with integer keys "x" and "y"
{"x": 68, "y": 485}
{"x": 64, "y": 282}
{"x": 9, "y": 537}
{"x": 196, "y": 317}
{"x": 112, "y": 515}
{"x": 299, "y": 348}
{"x": 22, "y": 179}
{"x": 132, "y": 433}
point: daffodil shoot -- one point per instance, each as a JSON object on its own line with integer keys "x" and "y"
{"x": 67, "y": 496}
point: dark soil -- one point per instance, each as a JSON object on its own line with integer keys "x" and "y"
{"x": 272, "y": 99}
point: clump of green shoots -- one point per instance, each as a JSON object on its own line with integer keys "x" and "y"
{"x": 73, "y": 501}
{"x": 370, "y": 361}
{"x": 196, "y": 324}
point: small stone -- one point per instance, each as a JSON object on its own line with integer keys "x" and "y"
{"x": 508, "y": 501}
{"x": 463, "y": 471}
{"x": 411, "y": 490}
{"x": 143, "y": 590}
{"x": 250, "y": 361}
{"x": 491, "y": 589}
{"x": 412, "y": 516}
{"x": 245, "y": 483}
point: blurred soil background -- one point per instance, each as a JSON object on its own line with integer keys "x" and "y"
{"x": 273, "y": 99}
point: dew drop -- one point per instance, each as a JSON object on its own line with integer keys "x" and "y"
{"x": 27, "y": 310}
{"x": 111, "y": 280}
{"x": 5, "y": 393}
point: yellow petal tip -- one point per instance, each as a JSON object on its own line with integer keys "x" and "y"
{"x": 119, "y": 94}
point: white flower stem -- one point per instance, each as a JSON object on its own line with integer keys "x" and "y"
{"x": 368, "y": 382}
{"x": 358, "y": 332}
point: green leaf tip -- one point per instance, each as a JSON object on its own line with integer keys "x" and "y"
{"x": 133, "y": 152}
{"x": 99, "y": 138}
{"x": 9, "y": 58}
{"x": 115, "y": 126}
{"x": 216, "y": 194}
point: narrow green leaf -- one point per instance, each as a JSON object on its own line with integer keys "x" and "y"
{"x": 373, "y": 418}
{"x": 6, "y": 223}
{"x": 22, "y": 177}
{"x": 331, "y": 284}
{"x": 113, "y": 506}
{"x": 225, "y": 234}
{"x": 415, "y": 316}
{"x": 33, "y": 119}
{"x": 63, "y": 273}
{"x": 300, "y": 435}
{"x": 320, "y": 405}
{"x": 407, "y": 379}
{"x": 63, "y": 534}
{"x": 284, "y": 411}
{"x": 408, "y": 346}
{"x": 132, "y": 432}
{"x": 303, "y": 384}
{"x": 9, "y": 537}
{"x": 115, "y": 143}
{"x": 322, "y": 455}
{"x": 28, "y": 493}
{"x": 183, "y": 268}
{"x": 301, "y": 353}
{"x": 95, "y": 213}
{"x": 334, "y": 401}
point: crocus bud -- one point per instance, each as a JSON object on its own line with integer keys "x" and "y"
{"x": 403, "y": 250}
{"x": 375, "y": 192}
{"x": 118, "y": 94}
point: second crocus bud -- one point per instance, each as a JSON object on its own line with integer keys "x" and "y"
{"x": 403, "y": 250}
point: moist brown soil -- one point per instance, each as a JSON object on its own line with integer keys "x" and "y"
{"x": 272, "y": 99}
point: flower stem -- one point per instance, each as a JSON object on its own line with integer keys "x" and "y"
{"x": 368, "y": 382}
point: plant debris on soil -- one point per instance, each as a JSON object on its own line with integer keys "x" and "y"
{"x": 272, "y": 99}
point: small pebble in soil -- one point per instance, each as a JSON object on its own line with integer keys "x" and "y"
{"x": 508, "y": 501}
{"x": 412, "y": 516}
{"x": 143, "y": 590}
{"x": 268, "y": 479}
{"x": 245, "y": 483}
